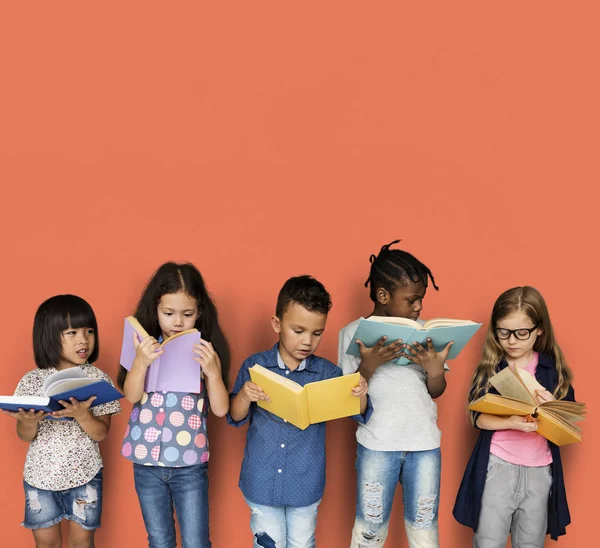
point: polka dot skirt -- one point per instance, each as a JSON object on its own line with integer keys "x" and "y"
{"x": 168, "y": 429}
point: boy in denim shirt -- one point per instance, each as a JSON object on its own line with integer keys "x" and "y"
{"x": 283, "y": 472}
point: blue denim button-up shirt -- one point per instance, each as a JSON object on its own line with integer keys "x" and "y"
{"x": 283, "y": 465}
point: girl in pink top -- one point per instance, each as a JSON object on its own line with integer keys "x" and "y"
{"x": 524, "y": 473}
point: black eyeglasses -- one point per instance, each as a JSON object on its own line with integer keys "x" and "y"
{"x": 522, "y": 334}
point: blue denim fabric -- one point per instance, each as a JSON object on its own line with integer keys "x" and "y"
{"x": 159, "y": 488}
{"x": 283, "y": 526}
{"x": 47, "y": 508}
{"x": 378, "y": 475}
{"x": 283, "y": 465}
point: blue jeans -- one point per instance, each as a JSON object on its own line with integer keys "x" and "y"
{"x": 158, "y": 489}
{"x": 378, "y": 474}
{"x": 82, "y": 505}
{"x": 283, "y": 526}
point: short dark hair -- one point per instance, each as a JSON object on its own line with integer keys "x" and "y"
{"x": 305, "y": 291}
{"x": 393, "y": 268}
{"x": 54, "y": 316}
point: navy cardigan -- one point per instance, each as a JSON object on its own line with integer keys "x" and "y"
{"x": 468, "y": 500}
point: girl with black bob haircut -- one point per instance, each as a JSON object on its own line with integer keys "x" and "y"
{"x": 63, "y": 467}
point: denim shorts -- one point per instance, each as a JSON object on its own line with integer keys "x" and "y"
{"x": 82, "y": 504}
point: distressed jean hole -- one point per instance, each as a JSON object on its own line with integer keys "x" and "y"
{"x": 34, "y": 502}
{"x": 373, "y": 502}
{"x": 425, "y": 512}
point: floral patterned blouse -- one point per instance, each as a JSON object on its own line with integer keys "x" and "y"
{"x": 62, "y": 455}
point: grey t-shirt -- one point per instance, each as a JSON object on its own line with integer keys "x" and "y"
{"x": 404, "y": 415}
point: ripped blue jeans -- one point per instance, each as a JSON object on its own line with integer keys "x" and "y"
{"x": 82, "y": 505}
{"x": 283, "y": 526}
{"x": 378, "y": 475}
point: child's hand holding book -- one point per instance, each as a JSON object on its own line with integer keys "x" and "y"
{"x": 251, "y": 392}
{"x": 146, "y": 350}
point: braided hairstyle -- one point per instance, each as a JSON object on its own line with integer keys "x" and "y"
{"x": 392, "y": 268}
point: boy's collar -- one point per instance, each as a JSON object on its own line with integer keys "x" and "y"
{"x": 307, "y": 364}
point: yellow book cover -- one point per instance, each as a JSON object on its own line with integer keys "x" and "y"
{"x": 309, "y": 404}
{"x": 556, "y": 419}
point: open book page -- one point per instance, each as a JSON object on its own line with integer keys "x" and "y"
{"x": 429, "y": 324}
{"x": 177, "y": 335}
{"x": 67, "y": 385}
{"x": 434, "y": 323}
{"x": 510, "y": 385}
{"x": 556, "y": 430}
{"x": 60, "y": 376}
{"x": 567, "y": 410}
{"x": 407, "y": 322}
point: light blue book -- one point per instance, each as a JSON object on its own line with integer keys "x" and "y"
{"x": 440, "y": 330}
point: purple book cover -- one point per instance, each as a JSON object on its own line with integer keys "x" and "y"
{"x": 174, "y": 371}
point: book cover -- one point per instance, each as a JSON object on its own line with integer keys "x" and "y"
{"x": 62, "y": 385}
{"x": 175, "y": 370}
{"x": 309, "y": 404}
{"x": 441, "y": 331}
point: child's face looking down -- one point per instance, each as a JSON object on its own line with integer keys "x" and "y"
{"x": 300, "y": 332}
{"x": 77, "y": 346}
{"x": 513, "y": 347}
{"x": 176, "y": 312}
{"x": 405, "y": 301}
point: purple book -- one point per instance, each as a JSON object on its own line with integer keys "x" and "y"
{"x": 174, "y": 371}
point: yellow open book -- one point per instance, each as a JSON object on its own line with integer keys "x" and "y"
{"x": 556, "y": 419}
{"x": 309, "y": 404}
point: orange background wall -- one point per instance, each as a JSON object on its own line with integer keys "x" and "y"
{"x": 262, "y": 140}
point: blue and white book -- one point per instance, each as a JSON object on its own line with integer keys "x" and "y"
{"x": 60, "y": 386}
{"x": 440, "y": 330}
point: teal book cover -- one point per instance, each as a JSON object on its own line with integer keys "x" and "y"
{"x": 370, "y": 331}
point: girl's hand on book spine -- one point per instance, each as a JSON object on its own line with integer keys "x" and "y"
{"x": 379, "y": 353}
{"x": 146, "y": 350}
{"x": 252, "y": 392}
{"x": 517, "y": 422}
{"x": 30, "y": 416}
{"x": 208, "y": 359}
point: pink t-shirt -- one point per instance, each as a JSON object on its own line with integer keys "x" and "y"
{"x": 523, "y": 448}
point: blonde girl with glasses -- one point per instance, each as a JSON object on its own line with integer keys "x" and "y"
{"x": 513, "y": 483}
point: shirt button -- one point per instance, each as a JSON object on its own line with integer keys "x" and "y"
{"x": 284, "y": 420}
{"x": 279, "y": 471}
{"x": 287, "y": 372}
{"x": 282, "y": 445}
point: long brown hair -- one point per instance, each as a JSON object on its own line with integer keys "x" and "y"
{"x": 530, "y": 302}
{"x": 171, "y": 278}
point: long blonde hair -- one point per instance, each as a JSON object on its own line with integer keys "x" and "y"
{"x": 528, "y": 300}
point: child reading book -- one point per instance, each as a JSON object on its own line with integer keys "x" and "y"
{"x": 401, "y": 441}
{"x": 63, "y": 467}
{"x": 166, "y": 438}
{"x": 523, "y": 492}
{"x": 283, "y": 471}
